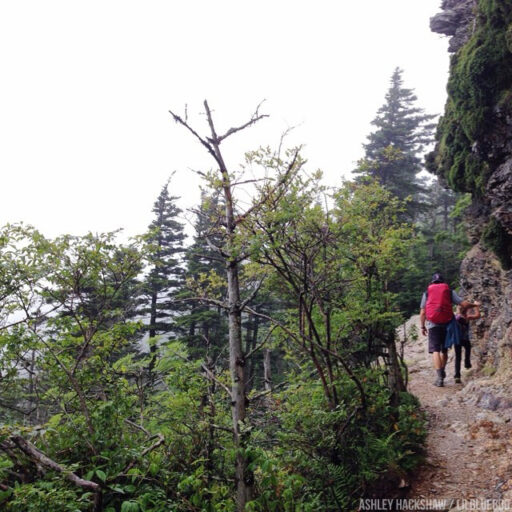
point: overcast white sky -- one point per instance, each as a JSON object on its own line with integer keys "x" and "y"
{"x": 86, "y": 138}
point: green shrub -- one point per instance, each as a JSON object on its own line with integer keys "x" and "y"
{"x": 328, "y": 459}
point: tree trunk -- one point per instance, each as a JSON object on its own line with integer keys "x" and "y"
{"x": 152, "y": 319}
{"x": 152, "y": 335}
{"x": 395, "y": 379}
{"x": 267, "y": 369}
{"x": 243, "y": 477}
{"x": 250, "y": 342}
{"x": 231, "y": 255}
{"x": 34, "y": 416}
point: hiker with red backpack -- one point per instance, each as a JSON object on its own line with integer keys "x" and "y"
{"x": 436, "y": 312}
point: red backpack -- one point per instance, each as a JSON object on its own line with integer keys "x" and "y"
{"x": 439, "y": 303}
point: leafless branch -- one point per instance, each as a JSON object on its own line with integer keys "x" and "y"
{"x": 39, "y": 457}
{"x": 267, "y": 391}
{"x": 211, "y": 376}
{"x": 199, "y": 173}
{"x": 205, "y": 143}
{"x": 137, "y": 426}
{"x": 16, "y": 409}
{"x": 28, "y": 317}
{"x": 204, "y": 300}
{"x": 252, "y": 295}
{"x": 246, "y": 182}
{"x": 214, "y": 248}
{"x": 224, "y": 429}
{"x": 262, "y": 343}
{"x": 281, "y": 141}
{"x": 254, "y": 119}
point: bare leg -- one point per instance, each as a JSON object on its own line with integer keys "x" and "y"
{"x": 439, "y": 359}
{"x": 444, "y": 359}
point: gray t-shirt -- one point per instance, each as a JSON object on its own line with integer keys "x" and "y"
{"x": 455, "y": 300}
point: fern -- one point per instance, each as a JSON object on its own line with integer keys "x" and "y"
{"x": 343, "y": 485}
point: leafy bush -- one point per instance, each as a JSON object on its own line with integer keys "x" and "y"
{"x": 327, "y": 459}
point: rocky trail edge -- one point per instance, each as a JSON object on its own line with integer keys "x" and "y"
{"x": 469, "y": 430}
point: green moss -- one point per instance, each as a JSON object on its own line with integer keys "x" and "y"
{"x": 499, "y": 241}
{"x": 480, "y": 79}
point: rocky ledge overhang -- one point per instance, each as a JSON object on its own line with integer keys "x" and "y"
{"x": 455, "y": 20}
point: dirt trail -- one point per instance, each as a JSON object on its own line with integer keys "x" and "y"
{"x": 469, "y": 443}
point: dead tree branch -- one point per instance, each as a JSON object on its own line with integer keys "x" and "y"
{"x": 40, "y": 459}
{"x": 208, "y": 146}
{"x": 262, "y": 343}
{"x": 254, "y": 119}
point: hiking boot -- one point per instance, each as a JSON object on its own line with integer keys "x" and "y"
{"x": 457, "y": 380}
{"x": 443, "y": 373}
{"x": 439, "y": 382}
{"x": 467, "y": 365}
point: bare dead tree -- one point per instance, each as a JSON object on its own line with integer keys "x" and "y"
{"x": 233, "y": 255}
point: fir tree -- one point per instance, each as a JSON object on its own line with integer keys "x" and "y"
{"x": 166, "y": 275}
{"x": 440, "y": 244}
{"x": 205, "y": 325}
{"x": 393, "y": 152}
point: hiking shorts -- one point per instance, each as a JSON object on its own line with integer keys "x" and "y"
{"x": 436, "y": 339}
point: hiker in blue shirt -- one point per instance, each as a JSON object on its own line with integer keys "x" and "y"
{"x": 438, "y": 305}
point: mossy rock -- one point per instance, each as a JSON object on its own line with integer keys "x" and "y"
{"x": 499, "y": 241}
{"x": 480, "y": 80}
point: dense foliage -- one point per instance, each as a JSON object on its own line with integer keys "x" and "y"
{"x": 272, "y": 380}
{"x": 88, "y": 424}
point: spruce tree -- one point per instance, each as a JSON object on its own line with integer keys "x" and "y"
{"x": 205, "y": 325}
{"x": 166, "y": 273}
{"x": 439, "y": 245}
{"x": 393, "y": 151}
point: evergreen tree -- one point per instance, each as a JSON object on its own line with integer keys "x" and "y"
{"x": 166, "y": 274}
{"x": 393, "y": 151}
{"x": 439, "y": 245}
{"x": 205, "y": 325}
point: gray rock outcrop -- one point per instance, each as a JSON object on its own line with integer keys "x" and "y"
{"x": 499, "y": 191}
{"x": 455, "y": 20}
{"x": 483, "y": 278}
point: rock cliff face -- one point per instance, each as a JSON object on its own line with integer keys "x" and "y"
{"x": 474, "y": 154}
{"x": 456, "y": 20}
{"x": 483, "y": 278}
